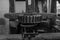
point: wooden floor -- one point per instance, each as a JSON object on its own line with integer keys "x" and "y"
{"x": 10, "y": 36}
{"x": 49, "y": 36}
{"x": 44, "y": 35}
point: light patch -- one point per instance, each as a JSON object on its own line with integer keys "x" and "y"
{"x": 29, "y": 2}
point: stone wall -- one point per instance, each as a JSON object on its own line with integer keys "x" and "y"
{"x": 4, "y": 22}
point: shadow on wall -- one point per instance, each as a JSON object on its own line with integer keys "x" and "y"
{"x": 2, "y": 21}
{"x": 3, "y": 29}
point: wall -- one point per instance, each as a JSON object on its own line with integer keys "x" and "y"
{"x": 21, "y": 6}
{"x": 4, "y": 22}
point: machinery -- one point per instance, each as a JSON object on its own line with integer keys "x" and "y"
{"x": 34, "y": 22}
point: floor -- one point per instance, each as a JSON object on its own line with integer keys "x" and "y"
{"x": 40, "y": 36}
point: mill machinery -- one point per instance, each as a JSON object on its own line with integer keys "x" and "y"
{"x": 33, "y": 22}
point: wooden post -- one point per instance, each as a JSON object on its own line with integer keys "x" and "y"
{"x": 40, "y": 6}
{"x": 48, "y": 6}
{"x": 12, "y": 6}
{"x": 53, "y": 6}
{"x": 11, "y": 10}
